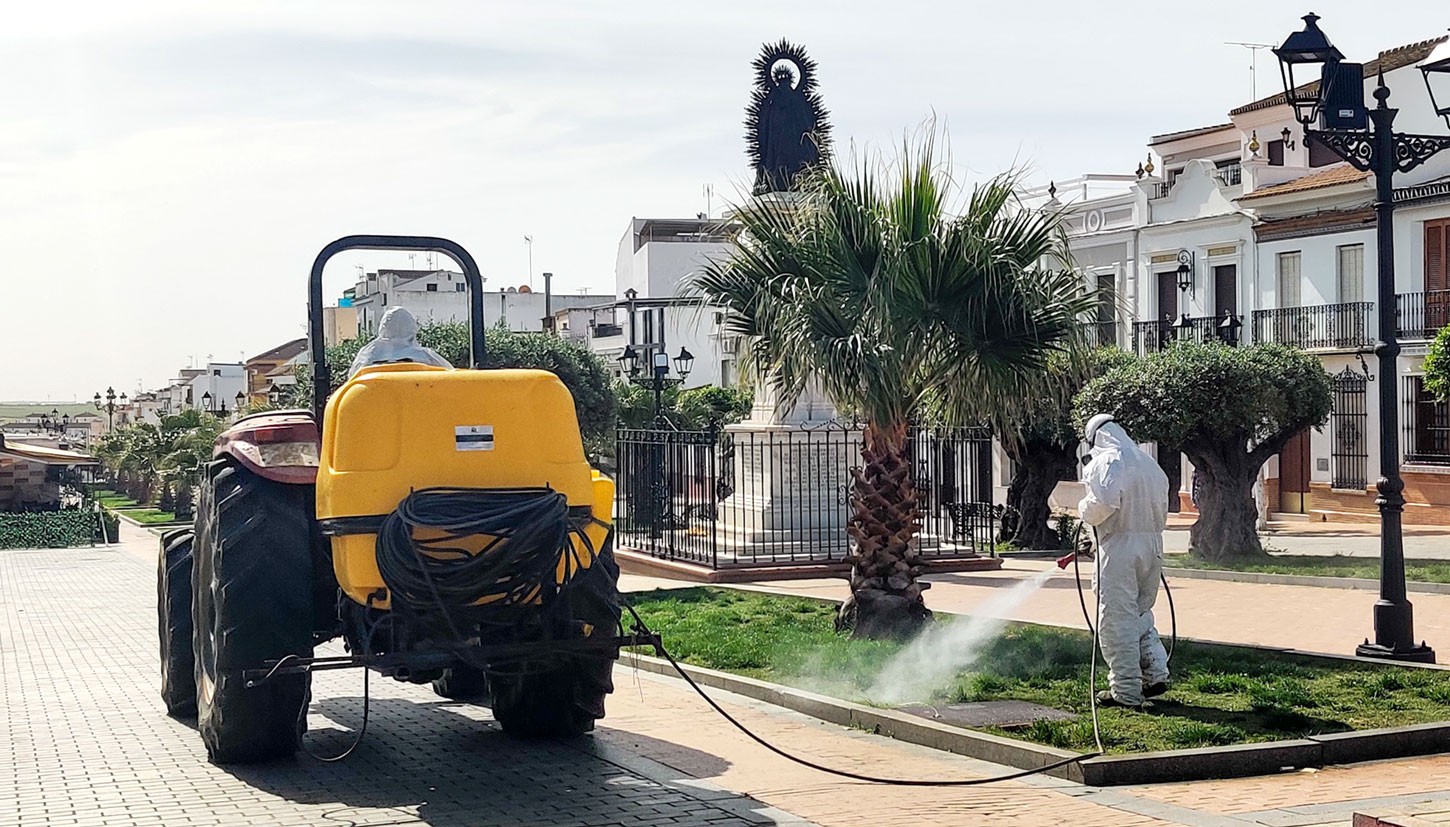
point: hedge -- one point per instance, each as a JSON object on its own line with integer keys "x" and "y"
{"x": 47, "y": 529}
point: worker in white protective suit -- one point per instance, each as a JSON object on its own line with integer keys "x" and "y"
{"x": 1126, "y": 501}
{"x": 397, "y": 342}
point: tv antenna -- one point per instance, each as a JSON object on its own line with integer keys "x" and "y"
{"x": 709, "y": 193}
{"x": 529, "y": 242}
{"x": 1254, "y": 49}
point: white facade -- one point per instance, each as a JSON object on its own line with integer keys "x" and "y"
{"x": 1281, "y": 237}
{"x": 441, "y": 296}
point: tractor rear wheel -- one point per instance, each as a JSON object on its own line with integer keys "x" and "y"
{"x": 253, "y": 604}
{"x": 564, "y": 697}
{"x": 173, "y": 611}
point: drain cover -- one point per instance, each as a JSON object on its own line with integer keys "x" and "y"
{"x": 1004, "y": 714}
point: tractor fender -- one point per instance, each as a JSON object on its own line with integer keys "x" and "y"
{"x": 282, "y": 446}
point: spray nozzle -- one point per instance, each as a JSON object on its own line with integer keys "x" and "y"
{"x": 1066, "y": 560}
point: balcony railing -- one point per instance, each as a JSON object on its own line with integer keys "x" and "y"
{"x": 1346, "y": 326}
{"x": 1421, "y": 315}
{"x": 1151, "y": 337}
{"x": 1101, "y": 333}
{"x": 1230, "y": 176}
{"x": 605, "y": 329}
{"x": 1160, "y": 189}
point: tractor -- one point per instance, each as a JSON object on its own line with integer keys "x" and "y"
{"x": 443, "y": 523}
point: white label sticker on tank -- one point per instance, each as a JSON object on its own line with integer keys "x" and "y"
{"x": 473, "y": 438}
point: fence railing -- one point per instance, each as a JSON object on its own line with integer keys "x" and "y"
{"x": 1230, "y": 175}
{"x": 604, "y": 329}
{"x": 1151, "y": 337}
{"x": 1422, "y": 315}
{"x": 1349, "y": 325}
{"x": 744, "y": 497}
{"x": 1160, "y": 189}
{"x": 1100, "y": 333}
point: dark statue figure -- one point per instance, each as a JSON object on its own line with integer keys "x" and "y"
{"x": 785, "y": 126}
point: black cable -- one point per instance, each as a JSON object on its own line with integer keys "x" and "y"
{"x": 805, "y": 762}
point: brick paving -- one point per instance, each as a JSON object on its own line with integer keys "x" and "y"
{"x": 85, "y": 742}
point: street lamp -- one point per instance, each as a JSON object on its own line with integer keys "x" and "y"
{"x": 1436, "y": 69}
{"x": 658, "y": 378}
{"x": 274, "y": 395}
{"x": 1383, "y": 152}
{"x": 241, "y": 400}
{"x": 1228, "y": 328}
{"x": 109, "y": 406}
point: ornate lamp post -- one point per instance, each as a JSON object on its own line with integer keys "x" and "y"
{"x": 274, "y": 395}
{"x": 1337, "y": 105}
{"x": 657, "y": 380}
{"x": 109, "y": 406}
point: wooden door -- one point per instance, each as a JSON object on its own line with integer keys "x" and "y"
{"x": 1437, "y": 274}
{"x": 1294, "y": 474}
{"x": 1225, "y": 290}
{"x": 1167, "y": 296}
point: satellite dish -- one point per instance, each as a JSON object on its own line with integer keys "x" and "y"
{"x": 513, "y": 290}
{"x": 524, "y": 288}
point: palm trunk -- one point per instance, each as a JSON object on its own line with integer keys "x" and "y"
{"x": 885, "y": 600}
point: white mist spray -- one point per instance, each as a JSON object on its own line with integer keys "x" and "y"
{"x": 935, "y": 657}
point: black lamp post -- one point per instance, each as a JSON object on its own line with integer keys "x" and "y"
{"x": 274, "y": 395}
{"x": 1337, "y": 105}
{"x": 1228, "y": 328}
{"x": 657, "y": 380}
{"x": 241, "y": 400}
{"x": 109, "y": 406}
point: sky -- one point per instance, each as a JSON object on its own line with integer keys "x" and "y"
{"x": 168, "y": 170}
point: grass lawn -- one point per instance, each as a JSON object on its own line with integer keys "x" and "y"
{"x": 151, "y": 516}
{"x": 1421, "y": 571}
{"x": 116, "y": 501}
{"x": 1220, "y": 694}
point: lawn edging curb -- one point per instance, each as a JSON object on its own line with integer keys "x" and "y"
{"x": 1231, "y": 761}
{"x": 121, "y": 515}
{"x": 1318, "y": 580}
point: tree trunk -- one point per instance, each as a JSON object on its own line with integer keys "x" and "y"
{"x": 1040, "y": 467}
{"x": 885, "y": 600}
{"x": 1227, "y": 526}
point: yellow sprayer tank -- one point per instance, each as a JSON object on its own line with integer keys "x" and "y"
{"x": 396, "y": 428}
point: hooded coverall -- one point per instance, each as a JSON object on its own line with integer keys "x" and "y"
{"x": 1126, "y": 501}
{"x": 397, "y": 342}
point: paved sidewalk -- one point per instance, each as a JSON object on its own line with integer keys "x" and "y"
{"x": 1327, "y": 539}
{"x": 84, "y": 742}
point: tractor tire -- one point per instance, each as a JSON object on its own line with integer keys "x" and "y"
{"x": 462, "y": 683}
{"x": 253, "y": 604}
{"x": 555, "y": 699}
{"x": 173, "y": 611}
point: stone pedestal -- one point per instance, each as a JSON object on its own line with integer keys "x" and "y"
{"x": 791, "y": 480}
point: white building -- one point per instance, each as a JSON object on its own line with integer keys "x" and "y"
{"x": 442, "y": 296}
{"x": 652, "y": 311}
{"x": 1243, "y": 224}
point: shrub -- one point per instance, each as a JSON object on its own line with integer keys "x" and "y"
{"x": 47, "y": 529}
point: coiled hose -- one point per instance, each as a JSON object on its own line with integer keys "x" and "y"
{"x": 527, "y": 533}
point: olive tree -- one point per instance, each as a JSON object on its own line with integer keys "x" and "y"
{"x": 1229, "y": 410}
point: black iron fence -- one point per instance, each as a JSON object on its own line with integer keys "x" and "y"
{"x": 1151, "y": 337}
{"x": 781, "y": 495}
{"x": 1422, "y": 315}
{"x": 1101, "y": 333}
{"x": 1344, "y": 326}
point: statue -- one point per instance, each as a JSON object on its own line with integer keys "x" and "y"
{"x": 786, "y": 128}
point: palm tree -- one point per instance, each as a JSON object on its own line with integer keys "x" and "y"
{"x": 866, "y": 283}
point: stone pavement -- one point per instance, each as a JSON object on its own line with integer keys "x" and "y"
{"x": 85, "y": 742}
{"x": 1326, "y": 539}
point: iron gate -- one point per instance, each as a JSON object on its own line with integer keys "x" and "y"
{"x": 754, "y": 497}
{"x": 1348, "y": 421}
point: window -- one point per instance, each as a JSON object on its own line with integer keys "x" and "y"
{"x": 1276, "y": 153}
{"x": 1437, "y": 255}
{"x": 459, "y": 287}
{"x": 431, "y": 288}
{"x": 1351, "y": 273}
{"x": 216, "y": 372}
{"x": 1427, "y": 425}
{"x": 1289, "y": 279}
{"x": 385, "y": 299}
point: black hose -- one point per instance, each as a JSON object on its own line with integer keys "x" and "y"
{"x": 854, "y": 776}
{"x": 527, "y": 533}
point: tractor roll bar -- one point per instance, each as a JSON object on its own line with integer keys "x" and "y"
{"x": 321, "y": 376}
